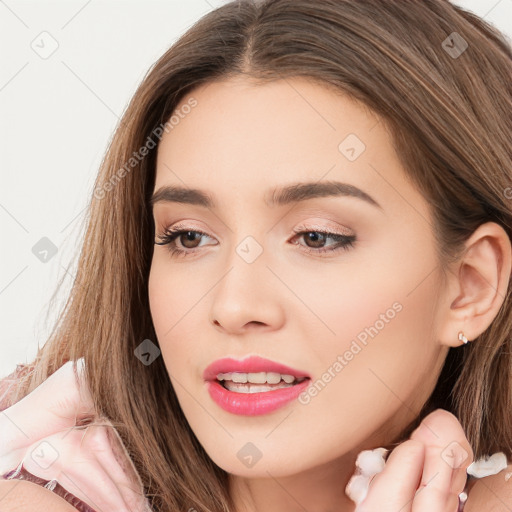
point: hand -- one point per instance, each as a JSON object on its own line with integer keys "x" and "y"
{"x": 88, "y": 461}
{"x": 426, "y": 473}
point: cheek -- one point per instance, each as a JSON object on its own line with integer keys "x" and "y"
{"x": 369, "y": 327}
{"x": 175, "y": 303}
{"x": 171, "y": 297}
{"x": 379, "y": 363}
{"x": 160, "y": 301}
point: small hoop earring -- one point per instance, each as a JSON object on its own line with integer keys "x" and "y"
{"x": 462, "y": 338}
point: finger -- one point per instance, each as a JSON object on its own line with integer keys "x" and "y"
{"x": 76, "y": 468}
{"x": 52, "y": 406}
{"x": 393, "y": 488}
{"x": 447, "y": 456}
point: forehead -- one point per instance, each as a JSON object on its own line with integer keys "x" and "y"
{"x": 244, "y": 137}
{"x": 276, "y": 121}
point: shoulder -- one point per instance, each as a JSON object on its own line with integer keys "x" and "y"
{"x": 23, "y": 496}
{"x": 491, "y": 493}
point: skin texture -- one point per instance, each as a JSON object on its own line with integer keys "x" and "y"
{"x": 21, "y": 496}
{"x": 304, "y": 309}
{"x": 492, "y": 493}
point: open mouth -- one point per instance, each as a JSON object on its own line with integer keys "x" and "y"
{"x": 239, "y": 382}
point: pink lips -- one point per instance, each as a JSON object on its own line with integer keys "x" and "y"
{"x": 251, "y": 404}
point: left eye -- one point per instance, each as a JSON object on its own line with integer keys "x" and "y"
{"x": 188, "y": 241}
{"x": 318, "y": 239}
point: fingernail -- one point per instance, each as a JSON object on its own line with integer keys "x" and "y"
{"x": 368, "y": 464}
{"x": 371, "y": 462}
{"x": 357, "y": 488}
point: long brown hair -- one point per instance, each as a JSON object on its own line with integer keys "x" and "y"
{"x": 439, "y": 77}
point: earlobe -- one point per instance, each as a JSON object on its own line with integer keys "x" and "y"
{"x": 479, "y": 282}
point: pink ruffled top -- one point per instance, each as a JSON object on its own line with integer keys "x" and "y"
{"x": 7, "y": 387}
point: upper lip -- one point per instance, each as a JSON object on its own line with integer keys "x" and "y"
{"x": 252, "y": 364}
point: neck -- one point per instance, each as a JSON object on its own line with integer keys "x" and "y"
{"x": 321, "y": 489}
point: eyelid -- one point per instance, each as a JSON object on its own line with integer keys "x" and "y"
{"x": 304, "y": 226}
{"x": 186, "y": 226}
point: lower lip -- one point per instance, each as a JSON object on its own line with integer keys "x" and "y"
{"x": 254, "y": 404}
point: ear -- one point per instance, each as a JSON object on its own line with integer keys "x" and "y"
{"x": 476, "y": 285}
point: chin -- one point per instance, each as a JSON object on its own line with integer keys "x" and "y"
{"x": 252, "y": 460}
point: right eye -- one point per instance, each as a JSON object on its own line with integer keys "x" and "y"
{"x": 170, "y": 236}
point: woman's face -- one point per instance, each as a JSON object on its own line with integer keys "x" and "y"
{"x": 341, "y": 285}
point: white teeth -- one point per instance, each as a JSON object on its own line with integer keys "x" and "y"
{"x": 257, "y": 378}
{"x": 254, "y": 388}
{"x": 239, "y": 377}
{"x": 273, "y": 378}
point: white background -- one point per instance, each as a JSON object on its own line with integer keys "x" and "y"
{"x": 57, "y": 116}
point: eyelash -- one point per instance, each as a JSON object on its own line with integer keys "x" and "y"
{"x": 344, "y": 242}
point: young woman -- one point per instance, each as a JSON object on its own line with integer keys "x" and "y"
{"x": 298, "y": 249}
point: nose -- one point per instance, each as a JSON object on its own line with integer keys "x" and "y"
{"x": 247, "y": 297}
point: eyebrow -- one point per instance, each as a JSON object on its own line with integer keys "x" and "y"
{"x": 292, "y": 193}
